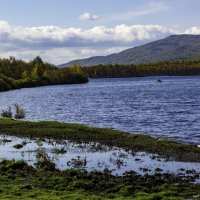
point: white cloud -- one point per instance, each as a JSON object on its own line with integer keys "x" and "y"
{"x": 195, "y": 30}
{"x": 45, "y": 37}
{"x": 57, "y": 45}
{"x": 88, "y": 16}
{"x": 5, "y": 27}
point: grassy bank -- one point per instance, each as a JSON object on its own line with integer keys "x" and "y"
{"x": 81, "y": 133}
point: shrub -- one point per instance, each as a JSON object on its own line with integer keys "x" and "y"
{"x": 19, "y": 112}
{"x": 7, "y": 113}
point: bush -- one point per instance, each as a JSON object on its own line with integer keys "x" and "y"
{"x": 19, "y": 112}
{"x": 7, "y": 113}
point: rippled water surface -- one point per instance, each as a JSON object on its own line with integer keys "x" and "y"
{"x": 170, "y": 109}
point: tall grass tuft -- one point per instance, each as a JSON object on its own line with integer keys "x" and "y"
{"x": 19, "y": 112}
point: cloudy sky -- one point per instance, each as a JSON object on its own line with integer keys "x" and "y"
{"x": 62, "y": 30}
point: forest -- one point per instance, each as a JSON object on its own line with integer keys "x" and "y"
{"x": 173, "y": 68}
{"x": 15, "y": 74}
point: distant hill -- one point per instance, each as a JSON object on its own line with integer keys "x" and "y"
{"x": 174, "y": 47}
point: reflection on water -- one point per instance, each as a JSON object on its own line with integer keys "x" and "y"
{"x": 139, "y": 105}
{"x": 91, "y": 156}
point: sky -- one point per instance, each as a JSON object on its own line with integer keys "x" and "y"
{"x": 63, "y": 30}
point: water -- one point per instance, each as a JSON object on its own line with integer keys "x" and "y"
{"x": 170, "y": 109}
{"x": 92, "y": 156}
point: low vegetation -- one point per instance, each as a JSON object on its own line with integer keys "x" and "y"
{"x": 81, "y": 133}
{"x": 19, "y": 112}
{"x": 7, "y": 113}
{"x": 20, "y": 181}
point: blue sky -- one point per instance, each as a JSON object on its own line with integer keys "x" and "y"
{"x": 63, "y": 30}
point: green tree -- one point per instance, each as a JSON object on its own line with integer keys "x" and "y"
{"x": 37, "y": 71}
{"x": 24, "y": 75}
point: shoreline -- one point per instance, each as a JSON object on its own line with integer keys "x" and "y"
{"x": 82, "y": 133}
{"x": 94, "y": 78}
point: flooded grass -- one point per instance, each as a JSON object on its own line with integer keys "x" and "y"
{"x": 92, "y": 156}
{"x": 77, "y": 162}
{"x": 81, "y": 133}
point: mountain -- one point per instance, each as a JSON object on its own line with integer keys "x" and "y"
{"x": 174, "y": 47}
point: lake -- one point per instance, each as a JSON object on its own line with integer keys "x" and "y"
{"x": 170, "y": 109}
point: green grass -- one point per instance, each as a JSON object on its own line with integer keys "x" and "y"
{"x": 81, "y": 133}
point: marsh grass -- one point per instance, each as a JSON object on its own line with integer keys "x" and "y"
{"x": 20, "y": 181}
{"x": 59, "y": 150}
{"x": 80, "y": 134}
{"x": 77, "y": 163}
{"x": 44, "y": 161}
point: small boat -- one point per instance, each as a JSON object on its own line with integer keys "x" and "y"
{"x": 159, "y": 81}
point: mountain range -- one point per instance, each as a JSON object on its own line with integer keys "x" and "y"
{"x": 174, "y": 47}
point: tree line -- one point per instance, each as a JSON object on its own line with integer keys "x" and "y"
{"x": 15, "y": 74}
{"x": 167, "y": 68}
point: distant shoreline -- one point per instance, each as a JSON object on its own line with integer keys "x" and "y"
{"x": 43, "y": 85}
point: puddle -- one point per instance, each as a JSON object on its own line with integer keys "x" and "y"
{"x": 92, "y": 156}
